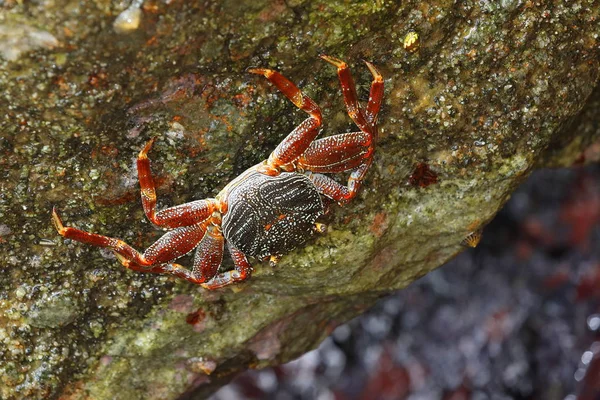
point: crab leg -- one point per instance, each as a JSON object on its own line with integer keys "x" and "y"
{"x": 366, "y": 120}
{"x": 242, "y": 271}
{"x": 165, "y": 269}
{"x": 336, "y": 191}
{"x": 375, "y": 95}
{"x": 170, "y": 246}
{"x": 209, "y": 255}
{"x": 337, "y": 153}
{"x": 173, "y": 217}
{"x": 301, "y": 137}
{"x": 349, "y": 92}
{"x": 347, "y": 151}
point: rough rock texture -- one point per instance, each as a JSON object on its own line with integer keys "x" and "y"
{"x": 493, "y": 90}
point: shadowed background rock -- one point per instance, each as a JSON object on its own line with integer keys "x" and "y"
{"x": 490, "y": 92}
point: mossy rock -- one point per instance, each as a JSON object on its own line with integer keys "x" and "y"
{"x": 490, "y": 92}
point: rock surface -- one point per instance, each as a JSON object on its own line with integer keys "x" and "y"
{"x": 490, "y": 92}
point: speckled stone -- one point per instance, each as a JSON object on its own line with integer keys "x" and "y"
{"x": 488, "y": 94}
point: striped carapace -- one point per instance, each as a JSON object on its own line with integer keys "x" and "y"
{"x": 268, "y": 210}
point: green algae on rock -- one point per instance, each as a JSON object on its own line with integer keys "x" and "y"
{"x": 489, "y": 95}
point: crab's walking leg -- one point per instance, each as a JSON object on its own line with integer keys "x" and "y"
{"x": 347, "y": 151}
{"x": 170, "y": 246}
{"x": 349, "y": 92}
{"x": 242, "y": 271}
{"x": 338, "y": 192}
{"x": 209, "y": 255}
{"x": 301, "y": 137}
{"x": 337, "y": 153}
{"x": 174, "y": 217}
{"x": 207, "y": 260}
{"x": 365, "y": 120}
{"x": 375, "y": 95}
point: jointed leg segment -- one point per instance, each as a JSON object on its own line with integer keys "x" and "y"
{"x": 337, "y": 153}
{"x": 338, "y": 192}
{"x": 349, "y": 92}
{"x": 375, "y": 95}
{"x": 301, "y": 137}
{"x": 170, "y": 246}
{"x": 242, "y": 271}
{"x": 209, "y": 254}
{"x": 157, "y": 258}
{"x": 348, "y": 151}
{"x": 173, "y": 217}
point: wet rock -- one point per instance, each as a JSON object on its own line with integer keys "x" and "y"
{"x": 481, "y": 102}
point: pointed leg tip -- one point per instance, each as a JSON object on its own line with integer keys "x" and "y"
{"x": 228, "y": 279}
{"x": 260, "y": 71}
{"x": 374, "y": 71}
{"x": 143, "y": 154}
{"x": 57, "y": 221}
{"x": 55, "y": 213}
{"x": 333, "y": 61}
{"x": 125, "y": 262}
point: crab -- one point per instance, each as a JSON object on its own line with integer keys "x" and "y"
{"x": 267, "y": 211}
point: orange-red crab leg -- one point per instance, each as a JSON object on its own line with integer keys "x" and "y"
{"x": 375, "y": 95}
{"x": 337, "y": 153}
{"x": 173, "y": 217}
{"x": 347, "y": 151}
{"x": 349, "y": 92}
{"x": 209, "y": 255}
{"x": 366, "y": 120}
{"x": 336, "y": 191}
{"x": 170, "y": 246}
{"x": 242, "y": 271}
{"x": 299, "y": 139}
{"x": 165, "y": 269}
